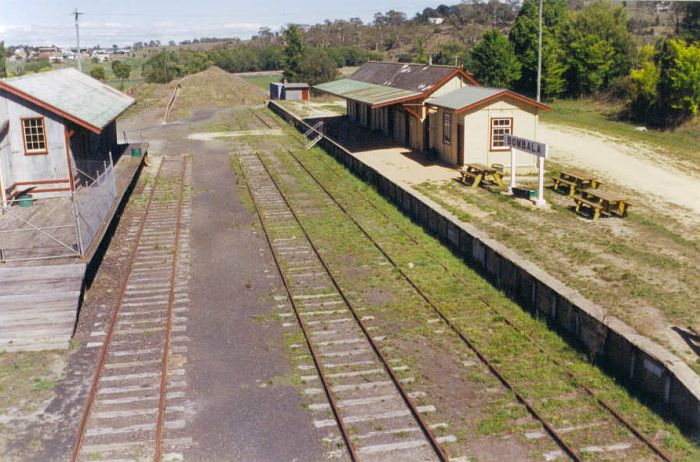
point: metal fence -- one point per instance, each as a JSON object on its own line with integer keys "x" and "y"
{"x": 59, "y": 225}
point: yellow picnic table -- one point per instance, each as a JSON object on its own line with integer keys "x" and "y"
{"x": 575, "y": 180}
{"x": 601, "y": 202}
{"x": 479, "y": 173}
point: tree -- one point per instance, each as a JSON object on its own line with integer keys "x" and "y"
{"x": 643, "y": 83}
{"x": 524, "y": 37}
{"x": 451, "y": 53}
{"x": 494, "y": 62}
{"x": 599, "y": 47}
{"x": 293, "y": 52}
{"x": 316, "y": 67}
{"x": 689, "y": 26}
{"x": 681, "y": 67}
{"x": 665, "y": 88}
{"x": 420, "y": 57}
{"x": 121, "y": 70}
{"x": 98, "y": 72}
{"x": 3, "y": 61}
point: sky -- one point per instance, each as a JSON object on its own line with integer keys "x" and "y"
{"x": 49, "y": 22}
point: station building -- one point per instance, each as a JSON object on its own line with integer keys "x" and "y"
{"x": 468, "y": 125}
{"x": 438, "y": 109}
{"x": 391, "y": 97}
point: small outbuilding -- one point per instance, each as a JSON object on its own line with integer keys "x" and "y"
{"x": 468, "y": 125}
{"x": 53, "y": 126}
{"x": 289, "y": 91}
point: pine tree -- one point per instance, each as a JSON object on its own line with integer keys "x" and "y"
{"x": 524, "y": 37}
{"x": 293, "y": 53}
{"x": 494, "y": 62}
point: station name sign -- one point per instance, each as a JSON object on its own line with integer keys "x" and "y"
{"x": 522, "y": 144}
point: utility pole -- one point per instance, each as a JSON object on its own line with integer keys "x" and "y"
{"x": 539, "y": 57}
{"x": 77, "y": 36}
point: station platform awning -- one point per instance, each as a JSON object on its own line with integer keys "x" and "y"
{"x": 368, "y": 93}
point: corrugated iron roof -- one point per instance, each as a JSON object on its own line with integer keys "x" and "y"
{"x": 406, "y": 76}
{"x": 73, "y": 93}
{"x": 364, "y": 92}
{"x": 463, "y": 97}
{"x": 469, "y": 96}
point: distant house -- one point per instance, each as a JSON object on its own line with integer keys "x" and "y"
{"x": 391, "y": 97}
{"x": 467, "y": 125}
{"x": 52, "y": 125}
{"x": 47, "y": 52}
{"x": 436, "y": 21}
{"x": 289, "y": 91}
{"x": 101, "y": 56}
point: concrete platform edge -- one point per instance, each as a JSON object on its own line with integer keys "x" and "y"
{"x": 638, "y": 361}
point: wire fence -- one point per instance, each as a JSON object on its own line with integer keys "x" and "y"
{"x": 58, "y": 225}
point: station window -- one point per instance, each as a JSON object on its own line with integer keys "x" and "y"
{"x": 34, "y": 133}
{"x": 500, "y": 127}
{"x": 446, "y": 127}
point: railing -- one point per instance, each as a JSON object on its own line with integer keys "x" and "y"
{"x": 93, "y": 203}
{"x": 58, "y": 225}
{"x": 316, "y": 132}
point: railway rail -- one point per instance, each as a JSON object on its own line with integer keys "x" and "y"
{"x": 136, "y": 395}
{"x": 575, "y": 451}
{"x": 653, "y": 447}
{"x": 376, "y": 417}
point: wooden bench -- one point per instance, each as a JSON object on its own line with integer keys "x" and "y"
{"x": 575, "y": 181}
{"x": 474, "y": 177}
{"x": 558, "y": 181}
{"x": 595, "y": 208}
{"x": 481, "y": 174}
{"x": 602, "y": 203}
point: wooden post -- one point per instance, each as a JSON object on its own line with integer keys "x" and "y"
{"x": 540, "y": 194}
{"x": 512, "y": 170}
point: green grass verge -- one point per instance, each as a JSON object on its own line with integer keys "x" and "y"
{"x": 263, "y": 81}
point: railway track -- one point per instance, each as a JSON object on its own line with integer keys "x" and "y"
{"x": 575, "y": 441}
{"x": 365, "y": 396}
{"x": 135, "y": 405}
{"x": 606, "y": 406}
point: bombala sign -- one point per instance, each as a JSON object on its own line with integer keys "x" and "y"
{"x": 525, "y": 145}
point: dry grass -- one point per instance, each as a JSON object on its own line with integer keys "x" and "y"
{"x": 214, "y": 88}
{"x": 642, "y": 269}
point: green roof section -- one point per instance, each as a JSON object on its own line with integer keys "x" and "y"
{"x": 74, "y": 93}
{"x": 364, "y": 92}
{"x": 470, "y": 96}
{"x": 465, "y": 96}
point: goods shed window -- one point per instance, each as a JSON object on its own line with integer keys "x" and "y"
{"x": 446, "y": 127}
{"x": 34, "y": 133}
{"x": 500, "y": 127}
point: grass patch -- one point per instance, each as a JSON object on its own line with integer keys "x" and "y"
{"x": 262, "y": 81}
{"x": 27, "y": 379}
{"x": 680, "y": 144}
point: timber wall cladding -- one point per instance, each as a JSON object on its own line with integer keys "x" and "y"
{"x": 639, "y": 362}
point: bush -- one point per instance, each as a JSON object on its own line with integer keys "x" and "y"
{"x": 665, "y": 86}
{"x": 98, "y": 72}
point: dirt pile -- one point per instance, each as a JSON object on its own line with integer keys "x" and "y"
{"x": 211, "y": 88}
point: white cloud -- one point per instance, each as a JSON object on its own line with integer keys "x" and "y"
{"x": 107, "y": 33}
